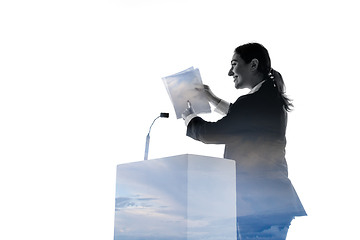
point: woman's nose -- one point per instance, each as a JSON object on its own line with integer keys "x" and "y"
{"x": 230, "y": 72}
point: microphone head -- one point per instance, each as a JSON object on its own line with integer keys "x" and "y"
{"x": 164, "y": 115}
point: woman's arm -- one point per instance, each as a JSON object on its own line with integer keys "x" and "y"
{"x": 222, "y": 106}
{"x": 211, "y": 97}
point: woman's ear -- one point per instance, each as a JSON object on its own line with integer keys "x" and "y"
{"x": 254, "y": 64}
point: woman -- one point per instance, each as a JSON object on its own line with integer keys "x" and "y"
{"x": 253, "y": 131}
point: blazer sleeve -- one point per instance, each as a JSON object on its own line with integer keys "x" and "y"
{"x": 249, "y": 116}
{"x": 237, "y": 121}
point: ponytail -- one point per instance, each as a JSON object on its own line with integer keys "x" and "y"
{"x": 278, "y": 82}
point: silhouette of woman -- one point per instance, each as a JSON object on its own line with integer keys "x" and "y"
{"x": 253, "y": 131}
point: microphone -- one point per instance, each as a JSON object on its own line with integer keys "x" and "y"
{"x": 162, "y": 115}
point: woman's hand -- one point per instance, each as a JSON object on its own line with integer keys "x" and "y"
{"x": 188, "y": 111}
{"x": 210, "y": 96}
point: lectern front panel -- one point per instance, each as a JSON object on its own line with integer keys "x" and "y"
{"x": 180, "y": 197}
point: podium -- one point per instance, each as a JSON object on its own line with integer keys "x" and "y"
{"x": 180, "y": 198}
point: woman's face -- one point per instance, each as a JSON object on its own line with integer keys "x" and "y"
{"x": 240, "y": 71}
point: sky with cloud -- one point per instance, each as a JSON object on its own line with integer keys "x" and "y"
{"x": 187, "y": 195}
{"x": 80, "y": 84}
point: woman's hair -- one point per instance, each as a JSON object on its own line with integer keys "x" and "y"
{"x": 251, "y": 51}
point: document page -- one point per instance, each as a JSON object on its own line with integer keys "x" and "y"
{"x": 181, "y": 88}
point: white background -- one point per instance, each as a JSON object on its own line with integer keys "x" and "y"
{"x": 81, "y": 84}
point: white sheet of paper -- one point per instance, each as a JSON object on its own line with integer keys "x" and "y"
{"x": 181, "y": 88}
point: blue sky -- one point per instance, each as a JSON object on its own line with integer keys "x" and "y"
{"x": 81, "y": 84}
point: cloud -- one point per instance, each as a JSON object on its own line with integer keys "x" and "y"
{"x": 128, "y": 202}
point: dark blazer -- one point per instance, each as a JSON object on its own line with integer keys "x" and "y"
{"x": 253, "y": 132}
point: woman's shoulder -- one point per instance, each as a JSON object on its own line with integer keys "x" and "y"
{"x": 264, "y": 97}
{"x": 244, "y": 99}
{"x": 244, "y": 104}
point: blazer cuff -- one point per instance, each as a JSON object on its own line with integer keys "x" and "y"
{"x": 222, "y": 107}
{"x": 189, "y": 118}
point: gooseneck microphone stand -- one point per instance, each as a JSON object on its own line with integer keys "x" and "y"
{"x": 163, "y": 115}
